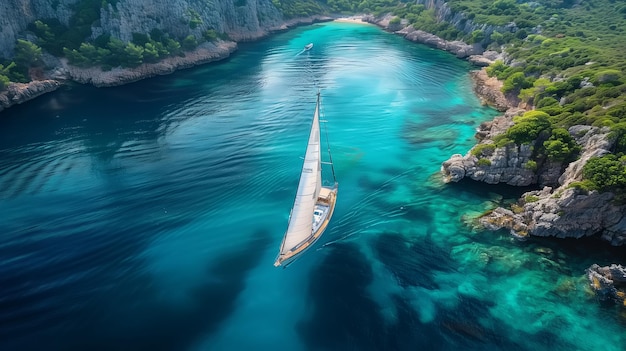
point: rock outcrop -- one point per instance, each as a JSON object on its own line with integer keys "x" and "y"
{"x": 17, "y": 93}
{"x": 457, "y": 47}
{"x": 511, "y": 164}
{"x": 567, "y": 211}
{"x": 560, "y": 208}
{"x": 488, "y": 88}
{"x": 609, "y": 283}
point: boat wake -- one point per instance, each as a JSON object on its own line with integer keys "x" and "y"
{"x": 354, "y": 212}
{"x": 306, "y": 48}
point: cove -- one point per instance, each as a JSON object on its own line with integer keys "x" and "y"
{"x": 148, "y": 216}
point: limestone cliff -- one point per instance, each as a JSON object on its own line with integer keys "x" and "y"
{"x": 239, "y": 19}
{"x": 15, "y": 15}
{"x": 457, "y": 47}
{"x": 444, "y": 13}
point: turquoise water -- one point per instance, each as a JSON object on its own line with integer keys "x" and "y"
{"x": 148, "y": 217}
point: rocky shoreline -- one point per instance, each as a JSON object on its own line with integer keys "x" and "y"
{"x": 18, "y": 93}
{"x": 557, "y": 209}
{"x": 205, "y": 53}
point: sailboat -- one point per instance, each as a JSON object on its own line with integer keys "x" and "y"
{"x": 314, "y": 204}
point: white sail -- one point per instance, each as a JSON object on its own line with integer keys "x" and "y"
{"x": 300, "y": 224}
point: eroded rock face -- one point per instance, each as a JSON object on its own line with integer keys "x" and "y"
{"x": 511, "y": 164}
{"x": 559, "y": 209}
{"x": 239, "y": 19}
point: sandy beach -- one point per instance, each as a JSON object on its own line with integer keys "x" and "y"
{"x": 351, "y": 19}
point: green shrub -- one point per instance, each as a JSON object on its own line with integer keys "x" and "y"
{"x": 483, "y": 150}
{"x": 4, "y": 81}
{"x": 584, "y": 186}
{"x": 502, "y": 140}
{"x": 531, "y": 198}
{"x": 27, "y": 53}
{"x": 189, "y": 43}
{"x": 607, "y": 173}
{"x": 561, "y": 146}
{"x": 195, "y": 19}
{"x": 527, "y": 127}
{"x": 483, "y": 162}
{"x": 210, "y": 35}
{"x": 608, "y": 76}
{"x": 531, "y": 165}
{"x": 516, "y": 82}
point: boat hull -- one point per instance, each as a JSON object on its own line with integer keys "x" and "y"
{"x": 285, "y": 259}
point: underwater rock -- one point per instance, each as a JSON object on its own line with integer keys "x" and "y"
{"x": 609, "y": 282}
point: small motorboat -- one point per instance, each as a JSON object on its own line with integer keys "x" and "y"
{"x": 308, "y": 46}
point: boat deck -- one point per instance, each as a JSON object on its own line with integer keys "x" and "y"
{"x": 326, "y": 203}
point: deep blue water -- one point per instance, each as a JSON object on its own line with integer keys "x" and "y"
{"x": 148, "y": 216}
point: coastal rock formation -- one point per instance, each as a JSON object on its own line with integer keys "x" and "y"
{"x": 567, "y": 211}
{"x": 559, "y": 209}
{"x": 608, "y": 282}
{"x": 457, "y": 47}
{"x": 18, "y": 93}
{"x": 460, "y": 21}
{"x": 206, "y": 52}
{"x": 485, "y": 59}
{"x": 511, "y": 164}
